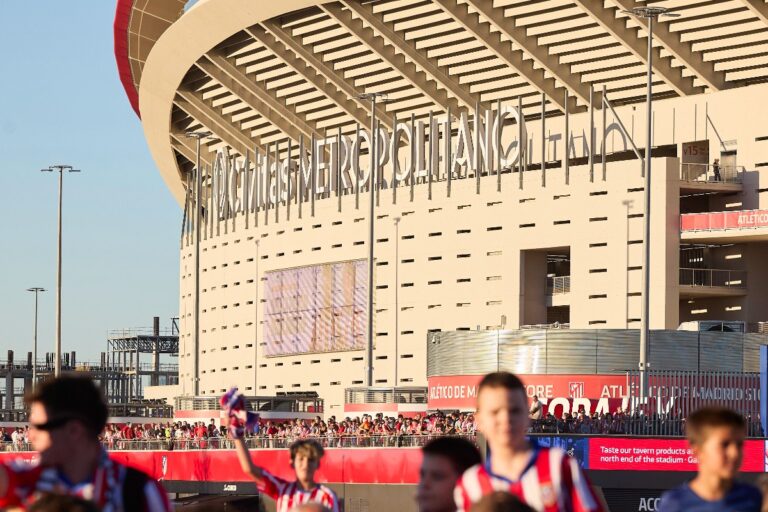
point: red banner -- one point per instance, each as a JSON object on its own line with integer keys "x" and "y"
{"x": 592, "y": 392}
{"x": 353, "y": 465}
{"x": 742, "y": 219}
{"x": 625, "y": 454}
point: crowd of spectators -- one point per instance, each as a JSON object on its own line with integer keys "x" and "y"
{"x": 364, "y": 431}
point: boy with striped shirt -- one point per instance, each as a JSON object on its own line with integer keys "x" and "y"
{"x": 305, "y": 460}
{"x": 546, "y": 479}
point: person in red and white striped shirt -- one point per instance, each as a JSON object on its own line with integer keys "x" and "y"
{"x": 546, "y": 479}
{"x": 305, "y": 460}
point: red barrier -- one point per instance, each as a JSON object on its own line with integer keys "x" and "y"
{"x": 352, "y": 466}
{"x": 742, "y": 219}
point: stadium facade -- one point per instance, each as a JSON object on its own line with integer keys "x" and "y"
{"x": 473, "y": 230}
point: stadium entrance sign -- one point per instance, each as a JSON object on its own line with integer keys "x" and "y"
{"x": 412, "y": 152}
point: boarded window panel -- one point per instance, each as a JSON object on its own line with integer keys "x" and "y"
{"x": 316, "y": 309}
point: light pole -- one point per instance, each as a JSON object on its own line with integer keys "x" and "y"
{"x": 650, "y": 14}
{"x": 62, "y": 169}
{"x": 372, "y": 184}
{"x": 199, "y": 135}
{"x": 36, "y": 291}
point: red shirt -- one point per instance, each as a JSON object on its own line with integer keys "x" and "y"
{"x": 552, "y": 482}
{"x": 113, "y": 487}
{"x": 289, "y": 495}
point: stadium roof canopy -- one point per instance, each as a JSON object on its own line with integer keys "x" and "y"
{"x": 256, "y": 72}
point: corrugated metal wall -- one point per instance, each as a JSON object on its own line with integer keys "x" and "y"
{"x": 588, "y": 351}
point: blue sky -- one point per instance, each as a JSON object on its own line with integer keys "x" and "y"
{"x": 61, "y": 101}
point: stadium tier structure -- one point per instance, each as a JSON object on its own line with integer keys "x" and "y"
{"x": 508, "y": 181}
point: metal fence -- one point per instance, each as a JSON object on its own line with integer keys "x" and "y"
{"x": 713, "y": 277}
{"x": 708, "y": 173}
{"x": 558, "y": 284}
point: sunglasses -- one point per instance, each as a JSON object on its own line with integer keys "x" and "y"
{"x": 52, "y": 424}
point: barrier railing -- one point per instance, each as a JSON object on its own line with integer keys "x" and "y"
{"x": 710, "y": 277}
{"x": 709, "y": 173}
{"x": 401, "y": 395}
{"x": 710, "y": 221}
{"x": 558, "y": 284}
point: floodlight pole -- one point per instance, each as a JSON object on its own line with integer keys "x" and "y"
{"x": 61, "y": 169}
{"x": 198, "y": 136}
{"x": 650, "y": 14}
{"x": 36, "y": 291}
{"x": 372, "y": 184}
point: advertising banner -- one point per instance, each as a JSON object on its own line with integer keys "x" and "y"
{"x": 743, "y": 219}
{"x": 565, "y": 393}
{"x": 634, "y": 454}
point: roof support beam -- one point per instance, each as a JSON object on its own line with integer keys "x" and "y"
{"x": 682, "y": 51}
{"x": 758, "y": 8}
{"x": 256, "y": 95}
{"x": 629, "y": 38}
{"x": 315, "y": 71}
{"x": 514, "y": 58}
{"x": 193, "y": 104}
{"x": 426, "y": 81}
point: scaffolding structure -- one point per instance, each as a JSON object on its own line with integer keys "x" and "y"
{"x": 120, "y": 373}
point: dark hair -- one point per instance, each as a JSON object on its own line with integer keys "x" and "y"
{"x": 62, "y": 503}
{"x": 700, "y": 420}
{"x": 310, "y": 449}
{"x": 500, "y": 501}
{"x": 504, "y": 380}
{"x": 462, "y": 454}
{"x": 77, "y": 398}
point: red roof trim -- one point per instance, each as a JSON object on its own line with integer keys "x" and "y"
{"x": 122, "y": 20}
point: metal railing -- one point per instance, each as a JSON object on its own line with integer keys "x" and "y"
{"x": 267, "y": 443}
{"x": 401, "y": 395}
{"x": 287, "y": 403}
{"x": 710, "y": 277}
{"x": 558, "y": 284}
{"x": 708, "y": 173}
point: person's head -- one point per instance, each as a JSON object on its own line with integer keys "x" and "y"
{"x": 502, "y": 410}
{"x": 716, "y": 436}
{"x": 305, "y": 459}
{"x": 62, "y": 503}
{"x": 500, "y": 501}
{"x": 65, "y": 415}
{"x": 444, "y": 461}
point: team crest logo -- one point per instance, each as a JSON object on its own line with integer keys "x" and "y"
{"x": 576, "y": 389}
{"x": 548, "y": 496}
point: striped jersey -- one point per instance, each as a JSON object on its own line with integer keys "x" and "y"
{"x": 290, "y": 495}
{"x": 113, "y": 488}
{"x": 551, "y": 482}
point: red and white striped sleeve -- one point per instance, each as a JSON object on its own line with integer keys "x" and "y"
{"x": 155, "y": 497}
{"x": 579, "y": 491}
{"x": 271, "y": 485}
{"x": 468, "y": 489}
{"x": 330, "y": 500}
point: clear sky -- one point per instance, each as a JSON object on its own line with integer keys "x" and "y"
{"x": 61, "y": 101}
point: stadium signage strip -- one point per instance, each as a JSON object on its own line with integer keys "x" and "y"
{"x": 414, "y": 152}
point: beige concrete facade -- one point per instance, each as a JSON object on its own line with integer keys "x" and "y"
{"x": 473, "y": 258}
{"x": 478, "y": 260}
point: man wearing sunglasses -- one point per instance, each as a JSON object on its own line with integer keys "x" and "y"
{"x": 66, "y": 416}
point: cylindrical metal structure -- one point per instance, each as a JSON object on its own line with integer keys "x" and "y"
{"x": 57, "y": 363}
